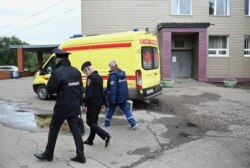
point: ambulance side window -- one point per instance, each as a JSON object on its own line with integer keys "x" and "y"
{"x": 49, "y": 66}
{"x": 150, "y": 58}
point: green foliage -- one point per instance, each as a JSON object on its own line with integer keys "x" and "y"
{"x": 30, "y": 63}
{"x": 9, "y": 56}
{"x": 46, "y": 57}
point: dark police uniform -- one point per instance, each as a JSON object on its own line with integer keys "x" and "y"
{"x": 66, "y": 82}
{"x": 94, "y": 99}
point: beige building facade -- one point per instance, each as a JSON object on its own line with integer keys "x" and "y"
{"x": 208, "y": 40}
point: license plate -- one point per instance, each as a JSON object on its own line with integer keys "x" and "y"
{"x": 149, "y": 91}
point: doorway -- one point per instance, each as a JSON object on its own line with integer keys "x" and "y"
{"x": 186, "y": 37}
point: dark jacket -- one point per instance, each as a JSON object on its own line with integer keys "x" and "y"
{"x": 94, "y": 90}
{"x": 117, "y": 87}
{"x": 66, "y": 82}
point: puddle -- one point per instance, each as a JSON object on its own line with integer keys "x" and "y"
{"x": 179, "y": 130}
{"x": 170, "y": 130}
{"x": 44, "y": 120}
{"x": 156, "y": 106}
{"x": 13, "y": 116}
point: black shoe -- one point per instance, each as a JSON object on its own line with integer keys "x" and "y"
{"x": 107, "y": 141}
{"x": 79, "y": 159}
{"x": 88, "y": 142}
{"x": 42, "y": 156}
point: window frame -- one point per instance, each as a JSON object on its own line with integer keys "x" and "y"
{"x": 246, "y": 49}
{"x": 179, "y": 7}
{"x": 217, "y": 50}
{"x": 215, "y": 8}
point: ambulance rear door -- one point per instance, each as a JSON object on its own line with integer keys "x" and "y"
{"x": 150, "y": 73}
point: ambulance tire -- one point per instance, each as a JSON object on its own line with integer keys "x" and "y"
{"x": 42, "y": 92}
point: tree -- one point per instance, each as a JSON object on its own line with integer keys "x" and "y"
{"x": 8, "y": 56}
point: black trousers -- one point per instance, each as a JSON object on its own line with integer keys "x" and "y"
{"x": 92, "y": 121}
{"x": 54, "y": 130}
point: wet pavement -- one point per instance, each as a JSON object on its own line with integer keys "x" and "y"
{"x": 191, "y": 125}
{"x": 178, "y": 132}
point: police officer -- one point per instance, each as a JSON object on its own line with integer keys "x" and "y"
{"x": 66, "y": 82}
{"x": 94, "y": 103}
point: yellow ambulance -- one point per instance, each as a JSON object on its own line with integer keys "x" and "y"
{"x": 136, "y": 52}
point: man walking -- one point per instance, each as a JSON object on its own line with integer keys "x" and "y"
{"x": 66, "y": 82}
{"x": 94, "y": 103}
{"x": 117, "y": 95}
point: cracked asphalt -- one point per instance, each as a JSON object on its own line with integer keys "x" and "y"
{"x": 192, "y": 125}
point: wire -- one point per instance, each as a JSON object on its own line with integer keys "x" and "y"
{"x": 47, "y": 20}
{"x": 33, "y": 15}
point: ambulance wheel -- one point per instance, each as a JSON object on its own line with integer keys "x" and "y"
{"x": 42, "y": 92}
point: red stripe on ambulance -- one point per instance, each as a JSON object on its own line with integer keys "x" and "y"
{"x": 128, "y": 77}
{"x": 98, "y": 46}
{"x": 103, "y": 77}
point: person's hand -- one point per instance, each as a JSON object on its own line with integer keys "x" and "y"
{"x": 84, "y": 109}
{"x": 103, "y": 108}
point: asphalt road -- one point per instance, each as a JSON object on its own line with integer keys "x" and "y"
{"x": 192, "y": 125}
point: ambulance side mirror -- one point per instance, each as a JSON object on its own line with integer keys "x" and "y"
{"x": 49, "y": 69}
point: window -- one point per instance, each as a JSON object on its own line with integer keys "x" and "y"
{"x": 247, "y": 7}
{"x": 150, "y": 58}
{"x": 179, "y": 43}
{"x": 218, "y": 46}
{"x": 156, "y": 58}
{"x": 219, "y": 7}
{"x": 247, "y": 46}
{"x": 181, "y": 7}
{"x": 48, "y": 67}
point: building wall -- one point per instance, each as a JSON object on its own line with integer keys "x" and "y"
{"x": 235, "y": 26}
{"x": 5, "y": 75}
{"x": 110, "y": 16}
{"x": 117, "y": 15}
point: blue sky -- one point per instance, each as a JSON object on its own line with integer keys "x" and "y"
{"x": 40, "y": 21}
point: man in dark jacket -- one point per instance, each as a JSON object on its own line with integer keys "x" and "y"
{"x": 94, "y": 103}
{"x": 117, "y": 95}
{"x": 66, "y": 82}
